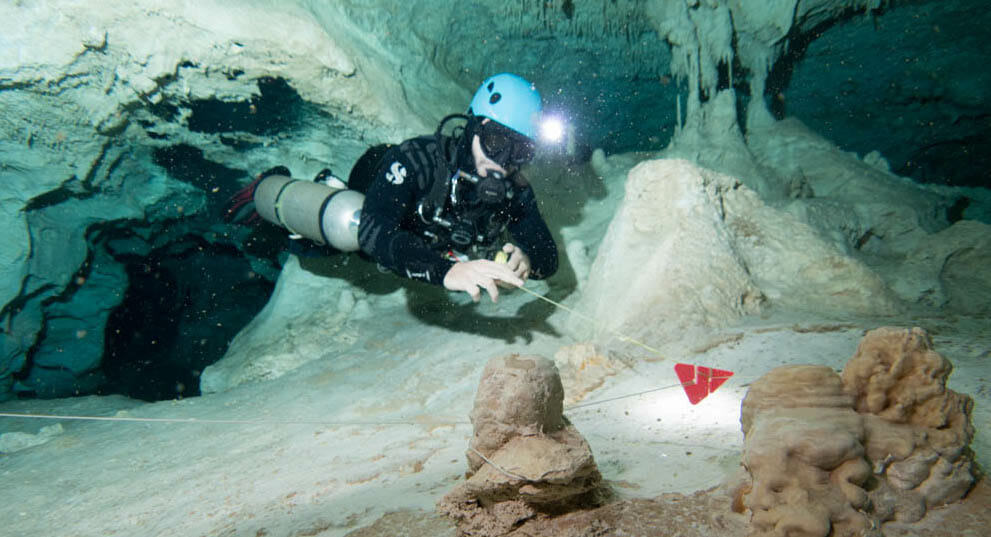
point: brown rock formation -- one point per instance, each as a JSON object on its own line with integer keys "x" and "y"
{"x": 804, "y": 451}
{"x": 832, "y": 455}
{"x": 918, "y": 431}
{"x": 525, "y": 460}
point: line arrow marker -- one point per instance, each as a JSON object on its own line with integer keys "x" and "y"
{"x": 699, "y": 381}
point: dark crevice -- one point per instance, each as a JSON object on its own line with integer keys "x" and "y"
{"x": 187, "y": 164}
{"x": 164, "y": 110}
{"x": 964, "y": 161}
{"x": 183, "y": 305}
{"x": 779, "y": 78}
{"x": 50, "y": 198}
{"x": 276, "y": 109}
{"x": 955, "y": 212}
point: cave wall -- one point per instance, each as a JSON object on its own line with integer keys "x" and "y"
{"x": 140, "y": 119}
{"x": 919, "y": 82}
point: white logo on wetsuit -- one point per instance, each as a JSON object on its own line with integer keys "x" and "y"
{"x": 425, "y": 275}
{"x": 396, "y": 174}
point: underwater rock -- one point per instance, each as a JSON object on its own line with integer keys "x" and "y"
{"x": 667, "y": 261}
{"x": 925, "y": 243}
{"x": 108, "y": 135}
{"x": 918, "y": 431}
{"x": 840, "y": 455}
{"x": 16, "y": 440}
{"x": 690, "y": 248}
{"x": 599, "y": 162}
{"x": 804, "y": 450}
{"x": 525, "y": 459}
{"x": 794, "y": 386}
{"x": 584, "y": 367}
{"x": 278, "y": 340}
{"x": 948, "y": 269}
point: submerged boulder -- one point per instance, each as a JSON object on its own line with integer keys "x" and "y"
{"x": 829, "y": 454}
{"x": 525, "y": 459}
{"x": 690, "y": 248}
{"x": 918, "y": 430}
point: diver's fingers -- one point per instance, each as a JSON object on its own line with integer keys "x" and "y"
{"x": 521, "y": 267}
{"x": 474, "y": 292}
{"x": 518, "y": 261}
{"x": 499, "y": 271}
{"x": 475, "y": 276}
{"x": 465, "y": 277}
{"x": 512, "y": 257}
{"x": 513, "y": 263}
{"x": 491, "y": 287}
{"x": 477, "y": 282}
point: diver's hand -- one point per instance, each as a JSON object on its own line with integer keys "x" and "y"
{"x": 518, "y": 261}
{"x": 474, "y": 276}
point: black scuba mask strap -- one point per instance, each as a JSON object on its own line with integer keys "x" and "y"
{"x": 456, "y": 145}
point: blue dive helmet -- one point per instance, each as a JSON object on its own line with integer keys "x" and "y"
{"x": 510, "y": 100}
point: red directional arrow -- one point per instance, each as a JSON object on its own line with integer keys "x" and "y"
{"x": 699, "y": 381}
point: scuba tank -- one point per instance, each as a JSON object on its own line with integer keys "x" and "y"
{"x": 321, "y": 213}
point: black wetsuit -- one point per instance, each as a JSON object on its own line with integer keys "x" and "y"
{"x": 395, "y": 235}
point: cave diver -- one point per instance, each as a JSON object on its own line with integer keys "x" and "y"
{"x": 434, "y": 208}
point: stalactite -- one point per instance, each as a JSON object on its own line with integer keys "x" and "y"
{"x": 612, "y": 18}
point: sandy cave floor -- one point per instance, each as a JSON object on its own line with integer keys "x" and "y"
{"x": 365, "y": 439}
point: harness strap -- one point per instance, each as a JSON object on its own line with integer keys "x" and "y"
{"x": 323, "y": 208}
{"x": 277, "y": 206}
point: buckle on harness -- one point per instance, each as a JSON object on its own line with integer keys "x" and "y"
{"x": 457, "y": 257}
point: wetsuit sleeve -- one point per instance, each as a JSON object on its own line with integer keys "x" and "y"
{"x": 391, "y": 197}
{"x": 530, "y": 233}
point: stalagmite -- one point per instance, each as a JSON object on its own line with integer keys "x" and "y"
{"x": 525, "y": 460}
{"x": 831, "y": 454}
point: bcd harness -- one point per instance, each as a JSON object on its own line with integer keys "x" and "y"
{"x": 466, "y": 213}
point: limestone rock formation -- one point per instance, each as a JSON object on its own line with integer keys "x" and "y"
{"x": 698, "y": 249}
{"x": 584, "y": 367}
{"x": 16, "y": 441}
{"x": 670, "y": 238}
{"x": 525, "y": 459}
{"x": 918, "y": 431}
{"x": 804, "y": 451}
{"x": 948, "y": 269}
{"x": 832, "y": 455}
{"x": 279, "y": 340}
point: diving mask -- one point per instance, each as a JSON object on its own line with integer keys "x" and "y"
{"x": 504, "y": 145}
